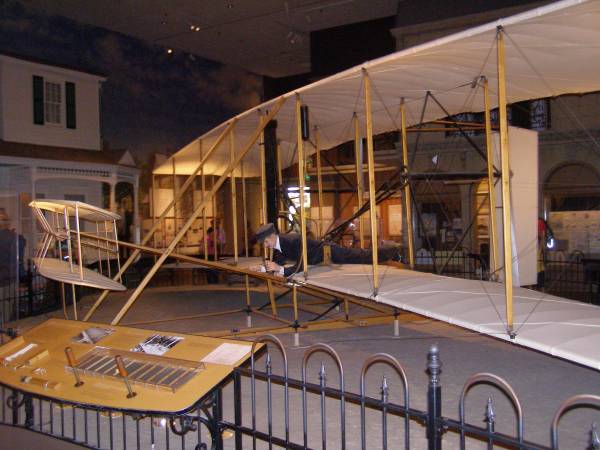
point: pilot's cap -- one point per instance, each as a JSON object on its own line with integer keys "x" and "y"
{"x": 264, "y": 231}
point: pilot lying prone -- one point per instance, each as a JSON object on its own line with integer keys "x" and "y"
{"x": 288, "y": 247}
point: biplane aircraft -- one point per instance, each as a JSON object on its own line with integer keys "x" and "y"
{"x": 546, "y": 52}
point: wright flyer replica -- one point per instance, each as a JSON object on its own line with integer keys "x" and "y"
{"x": 547, "y": 52}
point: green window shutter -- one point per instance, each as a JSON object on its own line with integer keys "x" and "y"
{"x": 70, "y": 104}
{"x": 38, "y": 100}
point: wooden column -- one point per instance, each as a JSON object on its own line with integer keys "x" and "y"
{"x": 506, "y": 207}
{"x": 359, "y": 176}
{"x": 491, "y": 190}
{"x": 407, "y": 193}
{"x": 371, "y": 167}
{"x": 301, "y": 185}
{"x": 319, "y": 182}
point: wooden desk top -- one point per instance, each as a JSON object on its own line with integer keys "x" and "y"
{"x": 36, "y": 362}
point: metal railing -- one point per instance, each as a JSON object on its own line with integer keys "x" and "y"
{"x": 374, "y": 433}
{"x": 459, "y": 264}
{"x": 570, "y": 276}
{"x": 270, "y": 409}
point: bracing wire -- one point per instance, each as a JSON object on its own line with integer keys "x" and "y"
{"x": 560, "y": 101}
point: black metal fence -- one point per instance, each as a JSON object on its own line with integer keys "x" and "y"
{"x": 460, "y": 263}
{"x": 568, "y": 275}
{"x": 572, "y": 276}
{"x": 271, "y": 409}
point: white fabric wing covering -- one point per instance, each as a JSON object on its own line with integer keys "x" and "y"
{"x": 552, "y": 325}
{"x": 550, "y": 51}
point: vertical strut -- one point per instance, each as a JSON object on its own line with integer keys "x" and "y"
{"x": 505, "y": 177}
{"x": 494, "y": 263}
{"x": 301, "y": 184}
{"x": 371, "y": 166}
{"x": 359, "y": 176}
{"x": 407, "y": 193}
{"x": 280, "y": 203}
{"x": 233, "y": 199}
{"x": 321, "y": 230}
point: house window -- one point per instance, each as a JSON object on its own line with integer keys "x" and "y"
{"x": 52, "y": 102}
{"x": 48, "y": 101}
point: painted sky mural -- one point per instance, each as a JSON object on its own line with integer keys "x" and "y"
{"x": 152, "y": 101}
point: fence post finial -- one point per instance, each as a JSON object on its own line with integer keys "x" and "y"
{"x": 434, "y": 399}
{"x": 385, "y": 390}
{"x": 434, "y": 365}
{"x": 490, "y": 415}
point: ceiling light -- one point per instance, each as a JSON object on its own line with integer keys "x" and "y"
{"x": 169, "y": 51}
{"x": 194, "y": 27}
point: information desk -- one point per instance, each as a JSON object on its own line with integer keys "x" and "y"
{"x": 118, "y": 367}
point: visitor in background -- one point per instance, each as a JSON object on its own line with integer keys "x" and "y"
{"x": 212, "y": 275}
{"x": 220, "y": 237}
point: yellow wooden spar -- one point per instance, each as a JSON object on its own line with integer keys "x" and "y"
{"x": 407, "y": 190}
{"x": 371, "y": 167}
{"x": 359, "y": 176}
{"x": 301, "y": 185}
{"x": 506, "y": 200}
{"x": 494, "y": 263}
